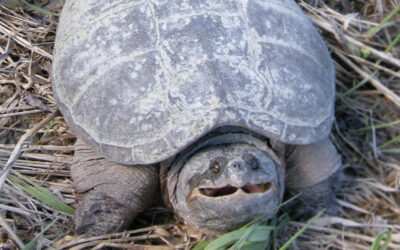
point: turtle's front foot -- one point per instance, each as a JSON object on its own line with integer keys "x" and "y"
{"x": 109, "y": 195}
{"x": 98, "y": 213}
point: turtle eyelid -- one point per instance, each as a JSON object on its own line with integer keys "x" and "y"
{"x": 220, "y": 160}
{"x": 217, "y": 164}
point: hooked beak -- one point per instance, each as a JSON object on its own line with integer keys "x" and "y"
{"x": 230, "y": 190}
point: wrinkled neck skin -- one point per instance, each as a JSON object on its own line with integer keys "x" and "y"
{"x": 223, "y": 182}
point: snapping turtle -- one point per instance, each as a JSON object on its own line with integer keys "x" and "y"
{"x": 220, "y": 104}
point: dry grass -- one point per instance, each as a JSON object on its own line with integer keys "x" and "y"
{"x": 366, "y": 132}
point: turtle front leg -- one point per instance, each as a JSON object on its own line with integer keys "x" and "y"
{"x": 315, "y": 171}
{"x": 109, "y": 195}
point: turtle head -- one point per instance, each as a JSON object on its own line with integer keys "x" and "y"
{"x": 225, "y": 185}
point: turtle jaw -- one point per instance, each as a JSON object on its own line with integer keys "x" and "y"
{"x": 228, "y": 190}
{"x": 249, "y": 199}
{"x": 229, "y": 195}
{"x": 214, "y": 210}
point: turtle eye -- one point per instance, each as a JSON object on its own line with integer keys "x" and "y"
{"x": 216, "y": 165}
{"x": 251, "y": 161}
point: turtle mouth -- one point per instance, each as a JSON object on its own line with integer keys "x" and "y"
{"x": 229, "y": 190}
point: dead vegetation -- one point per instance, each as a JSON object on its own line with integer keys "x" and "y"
{"x": 366, "y": 132}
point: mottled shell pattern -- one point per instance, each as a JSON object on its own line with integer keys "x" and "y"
{"x": 141, "y": 80}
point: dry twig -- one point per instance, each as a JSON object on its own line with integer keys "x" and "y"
{"x": 17, "y": 150}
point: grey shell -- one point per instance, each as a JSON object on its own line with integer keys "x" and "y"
{"x": 141, "y": 80}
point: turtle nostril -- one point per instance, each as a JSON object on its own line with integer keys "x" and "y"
{"x": 257, "y": 188}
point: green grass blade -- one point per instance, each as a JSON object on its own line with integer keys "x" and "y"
{"x": 387, "y": 241}
{"x": 283, "y": 222}
{"x": 391, "y": 150}
{"x": 201, "y": 245}
{"x": 255, "y": 246}
{"x": 32, "y": 243}
{"x": 261, "y": 217}
{"x": 259, "y": 233}
{"x": 243, "y": 239}
{"x": 254, "y": 238}
{"x": 47, "y": 129}
{"x": 298, "y": 233}
{"x": 377, "y": 102}
{"x": 393, "y": 44}
{"x": 40, "y": 10}
{"x": 391, "y": 141}
{"x": 372, "y": 31}
{"x": 225, "y": 240}
{"x": 40, "y": 193}
{"x": 245, "y": 236}
{"x": 378, "y": 240}
{"x": 361, "y": 83}
{"x": 378, "y": 126}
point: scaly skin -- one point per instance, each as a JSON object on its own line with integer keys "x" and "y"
{"x": 109, "y": 195}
